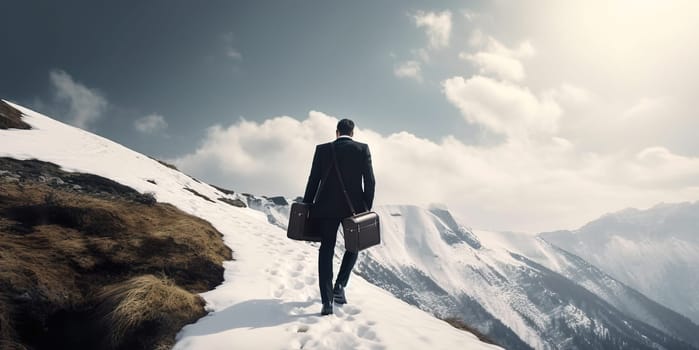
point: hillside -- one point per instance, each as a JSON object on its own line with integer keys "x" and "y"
{"x": 269, "y": 298}
{"x": 655, "y": 251}
{"x": 74, "y": 246}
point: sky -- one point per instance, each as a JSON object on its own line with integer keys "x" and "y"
{"x": 530, "y": 116}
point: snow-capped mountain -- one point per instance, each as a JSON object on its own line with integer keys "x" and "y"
{"x": 516, "y": 288}
{"x": 655, "y": 251}
{"x": 269, "y": 298}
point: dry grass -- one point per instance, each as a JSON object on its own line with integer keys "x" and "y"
{"x": 459, "y": 324}
{"x": 145, "y": 305}
{"x": 59, "y": 249}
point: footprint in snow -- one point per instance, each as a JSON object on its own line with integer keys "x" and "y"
{"x": 350, "y": 310}
{"x": 302, "y": 342}
{"x": 366, "y": 332}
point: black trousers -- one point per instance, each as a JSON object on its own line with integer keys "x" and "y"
{"x": 328, "y": 228}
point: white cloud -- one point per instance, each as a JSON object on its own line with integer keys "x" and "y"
{"x": 520, "y": 184}
{"x": 497, "y": 59}
{"x": 503, "y": 66}
{"x": 150, "y": 123}
{"x": 408, "y": 69}
{"x": 259, "y": 157}
{"x": 503, "y": 107}
{"x": 85, "y": 105}
{"x": 437, "y": 27}
{"x": 658, "y": 167}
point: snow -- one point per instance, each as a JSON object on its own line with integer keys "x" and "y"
{"x": 655, "y": 251}
{"x": 269, "y": 298}
{"x": 413, "y": 239}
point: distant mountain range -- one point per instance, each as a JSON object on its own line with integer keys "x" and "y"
{"x": 655, "y": 251}
{"x": 518, "y": 289}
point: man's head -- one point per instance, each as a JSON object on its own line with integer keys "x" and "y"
{"x": 345, "y": 127}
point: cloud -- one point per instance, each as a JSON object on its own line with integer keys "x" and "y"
{"x": 85, "y": 105}
{"x": 150, "y": 123}
{"x": 503, "y": 107}
{"x": 497, "y": 59}
{"x": 437, "y": 27}
{"x": 262, "y": 158}
{"x": 408, "y": 69}
{"x": 530, "y": 185}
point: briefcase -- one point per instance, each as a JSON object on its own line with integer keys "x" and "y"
{"x": 361, "y": 231}
{"x": 301, "y": 227}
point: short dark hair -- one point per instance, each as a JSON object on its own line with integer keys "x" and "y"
{"x": 345, "y": 127}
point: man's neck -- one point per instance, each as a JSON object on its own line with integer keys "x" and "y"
{"x": 345, "y": 136}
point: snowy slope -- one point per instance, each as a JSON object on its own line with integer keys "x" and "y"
{"x": 624, "y": 298}
{"x": 516, "y": 288}
{"x": 531, "y": 288}
{"x": 269, "y": 299}
{"x": 656, "y": 251}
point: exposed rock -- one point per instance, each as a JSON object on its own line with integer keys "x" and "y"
{"x": 198, "y": 194}
{"x": 225, "y": 191}
{"x": 234, "y": 202}
{"x": 279, "y": 200}
{"x": 11, "y": 118}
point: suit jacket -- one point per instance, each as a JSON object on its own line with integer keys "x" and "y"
{"x": 354, "y": 161}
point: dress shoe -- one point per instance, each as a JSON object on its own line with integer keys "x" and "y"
{"x": 327, "y": 309}
{"x": 339, "y": 295}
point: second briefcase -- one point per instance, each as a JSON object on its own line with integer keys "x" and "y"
{"x": 361, "y": 231}
{"x": 301, "y": 226}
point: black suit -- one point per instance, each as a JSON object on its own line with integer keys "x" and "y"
{"x": 330, "y": 205}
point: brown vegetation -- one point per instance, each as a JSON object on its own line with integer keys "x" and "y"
{"x": 458, "y": 323}
{"x": 79, "y": 256}
{"x": 143, "y": 305}
{"x": 10, "y": 118}
{"x": 162, "y": 162}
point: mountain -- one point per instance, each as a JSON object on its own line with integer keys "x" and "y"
{"x": 655, "y": 251}
{"x": 515, "y": 288}
{"x": 269, "y": 297}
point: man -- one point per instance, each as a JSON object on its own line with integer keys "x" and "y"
{"x": 330, "y": 205}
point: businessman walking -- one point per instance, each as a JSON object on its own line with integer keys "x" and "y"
{"x": 330, "y": 205}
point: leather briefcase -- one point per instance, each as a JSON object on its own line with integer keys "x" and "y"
{"x": 301, "y": 227}
{"x": 361, "y": 231}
